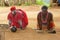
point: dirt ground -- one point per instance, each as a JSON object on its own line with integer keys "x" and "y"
{"x": 29, "y": 33}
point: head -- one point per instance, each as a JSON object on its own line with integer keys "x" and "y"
{"x": 13, "y": 29}
{"x": 13, "y": 10}
{"x": 44, "y": 9}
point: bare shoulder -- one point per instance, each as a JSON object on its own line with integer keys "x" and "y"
{"x": 50, "y": 13}
{"x": 39, "y": 13}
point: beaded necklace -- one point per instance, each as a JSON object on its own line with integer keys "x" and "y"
{"x": 42, "y": 19}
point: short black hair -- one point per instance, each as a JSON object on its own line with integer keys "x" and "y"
{"x": 44, "y": 7}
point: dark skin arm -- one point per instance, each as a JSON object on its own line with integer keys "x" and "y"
{"x": 39, "y": 22}
{"x": 38, "y": 19}
{"x": 51, "y": 17}
{"x": 51, "y": 21}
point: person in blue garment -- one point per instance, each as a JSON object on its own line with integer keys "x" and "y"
{"x": 58, "y": 1}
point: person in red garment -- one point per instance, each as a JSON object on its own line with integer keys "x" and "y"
{"x": 17, "y": 19}
{"x": 24, "y": 19}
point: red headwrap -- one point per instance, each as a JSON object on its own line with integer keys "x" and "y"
{"x": 13, "y": 8}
